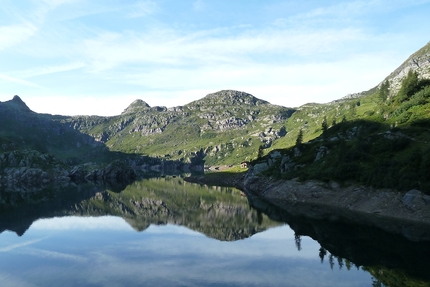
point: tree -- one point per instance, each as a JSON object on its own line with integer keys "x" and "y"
{"x": 260, "y": 151}
{"x": 298, "y": 241}
{"x": 409, "y": 86}
{"x": 322, "y": 254}
{"x": 299, "y": 139}
{"x": 384, "y": 91}
{"x": 333, "y": 123}
{"x": 324, "y": 125}
{"x": 352, "y": 109}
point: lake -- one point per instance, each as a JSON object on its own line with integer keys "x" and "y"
{"x": 167, "y": 232}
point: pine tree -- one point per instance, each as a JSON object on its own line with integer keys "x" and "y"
{"x": 260, "y": 151}
{"x": 299, "y": 139}
{"x": 409, "y": 86}
{"x": 384, "y": 91}
{"x": 324, "y": 125}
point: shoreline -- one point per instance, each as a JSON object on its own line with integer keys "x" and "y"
{"x": 406, "y": 214}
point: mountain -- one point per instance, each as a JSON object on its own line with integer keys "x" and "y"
{"x": 219, "y": 213}
{"x": 226, "y": 127}
{"x": 418, "y": 62}
{"x": 378, "y": 138}
{"x": 386, "y": 127}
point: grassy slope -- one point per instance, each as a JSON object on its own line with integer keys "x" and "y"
{"x": 194, "y": 128}
{"x": 381, "y": 143}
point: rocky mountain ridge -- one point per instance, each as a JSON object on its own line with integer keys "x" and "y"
{"x": 219, "y": 213}
{"x": 223, "y": 128}
{"x": 218, "y": 125}
{"x": 418, "y": 62}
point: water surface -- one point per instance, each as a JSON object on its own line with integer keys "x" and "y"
{"x": 164, "y": 232}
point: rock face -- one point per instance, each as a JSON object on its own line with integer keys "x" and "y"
{"x": 136, "y": 106}
{"x": 31, "y": 170}
{"x": 18, "y": 104}
{"x": 222, "y": 124}
{"x": 419, "y": 62}
{"x": 229, "y": 98}
{"x": 363, "y": 246}
{"x": 407, "y": 214}
{"x": 212, "y": 211}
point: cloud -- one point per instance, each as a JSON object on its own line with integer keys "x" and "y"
{"x": 18, "y": 81}
{"x": 311, "y": 54}
{"x": 15, "y": 34}
{"x": 81, "y": 223}
{"x": 38, "y": 71}
{"x": 54, "y": 3}
{"x": 20, "y": 245}
{"x": 143, "y": 8}
{"x": 169, "y": 48}
{"x": 199, "y": 6}
{"x": 54, "y": 255}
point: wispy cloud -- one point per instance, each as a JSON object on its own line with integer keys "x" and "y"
{"x": 20, "y": 245}
{"x": 42, "y": 253}
{"x": 18, "y": 81}
{"x": 143, "y": 8}
{"x": 199, "y": 5}
{"x": 15, "y": 34}
{"x": 38, "y": 71}
{"x": 167, "y": 47}
{"x": 157, "y": 49}
{"x": 81, "y": 223}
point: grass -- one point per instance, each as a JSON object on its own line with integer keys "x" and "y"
{"x": 381, "y": 149}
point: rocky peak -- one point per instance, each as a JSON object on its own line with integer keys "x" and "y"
{"x": 136, "y": 106}
{"x": 419, "y": 62}
{"x": 17, "y": 104}
{"x": 230, "y": 97}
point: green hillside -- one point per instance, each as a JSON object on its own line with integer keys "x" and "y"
{"x": 386, "y": 127}
{"x": 381, "y": 140}
{"x": 225, "y": 128}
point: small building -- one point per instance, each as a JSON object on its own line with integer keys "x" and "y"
{"x": 244, "y": 164}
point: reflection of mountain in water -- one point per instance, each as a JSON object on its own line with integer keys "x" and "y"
{"x": 388, "y": 257}
{"x": 218, "y": 212}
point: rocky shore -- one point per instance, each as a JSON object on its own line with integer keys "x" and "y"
{"x": 30, "y": 170}
{"x": 406, "y": 213}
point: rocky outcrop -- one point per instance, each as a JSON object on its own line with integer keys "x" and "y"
{"x": 235, "y": 113}
{"x": 212, "y": 211}
{"x": 357, "y": 244}
{"x": 392, "y": 211}
{"x": 30, "y": 169}
{"x": 17, "y": 104}
{"x": 136, "y": 106}
{"x": 419, "y": 62}
{"x": 116, "y": 173}
{"x": 228, "y": 98}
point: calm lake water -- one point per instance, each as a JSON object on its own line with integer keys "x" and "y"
{"x": 166, "y": 232}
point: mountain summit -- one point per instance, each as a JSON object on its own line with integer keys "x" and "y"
{"x": 17, "y": 104}
{"x": 229, "y": 97}
{"x": 418, "y": 62}
{"x": 135, "y": 106}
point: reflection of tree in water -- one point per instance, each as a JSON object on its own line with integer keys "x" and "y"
{"x": 322, "y": 254}
{"x": 381, "y": 276}
{"x": 342, "y": 262}
{"x": 298, "y": 241}
{"x": 392, "y": 259}
{"x": 376, "y": 283}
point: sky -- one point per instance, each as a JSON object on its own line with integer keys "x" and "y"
{"x": 95, "y": 57}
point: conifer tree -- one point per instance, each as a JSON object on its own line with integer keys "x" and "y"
{"x": 324, "y": 125}
{"x": 299, "y": 139}
{"x": 384, "y": 91}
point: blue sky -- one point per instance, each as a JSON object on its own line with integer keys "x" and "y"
{"x": 96, "y": 56}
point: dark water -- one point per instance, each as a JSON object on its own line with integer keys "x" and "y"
{"x": 166, "y": 232}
